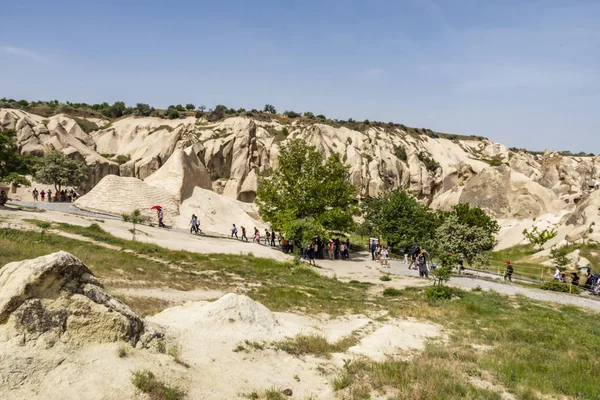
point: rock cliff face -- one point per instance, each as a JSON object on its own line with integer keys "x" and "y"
{"x": 228, "y": 157}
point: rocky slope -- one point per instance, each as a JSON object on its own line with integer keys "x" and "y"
{"x": 234, "y": 152}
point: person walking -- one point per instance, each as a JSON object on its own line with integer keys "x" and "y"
{"x": 267, "y": 237}
{"x": 416, "y": 250}
{"x": 160, "y": 218}
{"x": 42, "y": 194}
{"x": 49, "y": 195}
{"x": 421, "y": 260}
{"x": 509, "y": 271}
{"x": 384, "y": 257}
{"x": 256, "y": 237}
{"x": 244, "y": 237}
{"x": 272, "y": 237}
{"x": 234, "y": 231}
{"x": 556, "y": 276}
{"x": 35, "y": 194}
{"x": 405, "y": 256}
{"x": 373, "y": 247}
{"x": 194, "y": 224}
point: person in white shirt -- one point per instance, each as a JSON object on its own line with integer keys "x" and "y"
{"x": 556, "y": 276}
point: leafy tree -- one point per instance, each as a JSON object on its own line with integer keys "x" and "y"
{"x": 180, "y": 108}
{"x": 172, "y": 113}
{"x": 400, "y": 219}
{"x": 308, "y": 114}
{"x": 538, "y": 238}
{"x": 143, "y": 109}
{"x": 303, "y": 186}
{"x": 135, "y": 217}
{"x": 291, "y": 114}
{"x": 202, "y": 108}
{"x": 321, "y": 117}
{"x": 57, "y": 169}
{"x": 303, "y": 230}
{"x": 469, "y": 241}
{"x": 12, "y": 164}
{"x": 475, "y": 216}
{"x": 559, "y": 256}
{"x": 270, "y": 109}
{"x": 443, "y": 272}
{"x": 117, "y": 109}
{"x": 190, "y": 107}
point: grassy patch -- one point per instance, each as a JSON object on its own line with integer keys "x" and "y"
{"x": 533, "y": 349}
{"x": 391, "y": 292}
{"x": 520, "y": 256}
{"x": 385, "y": 278}
{"x": 147, "y": 382}
{"x": 316, "y": 345}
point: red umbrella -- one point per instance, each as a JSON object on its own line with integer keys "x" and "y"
{"x": 156, "y": 207}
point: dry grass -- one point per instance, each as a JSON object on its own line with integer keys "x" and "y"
{"x": 147, "y": 383}
{"x": 316, "y": 345}
{"x": 145, "y": 306}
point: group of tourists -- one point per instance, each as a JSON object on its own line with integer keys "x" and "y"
{"x": 68, "y": 195}
{"x": 322, "y": 249}
{"x": 269, "y": 237}
{"x": 592, "y": 281}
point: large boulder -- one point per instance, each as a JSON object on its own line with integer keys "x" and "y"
{"x": 56, "y": 299}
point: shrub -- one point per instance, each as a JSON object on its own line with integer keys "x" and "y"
{"x": 429, "y": 162}
{"x": 560, "y": 287}
{"x": 392, "y": 292}
{"x": 385, "y": 278}
{"x": 122, "y": 158}
{"x": 400, "y": 152}
{"x": 146, "y": 382}
{"x": 538, "y": 238}
{"x": 438, "y": 293}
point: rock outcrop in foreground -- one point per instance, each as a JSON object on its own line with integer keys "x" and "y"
{"x": 56, "y": 299}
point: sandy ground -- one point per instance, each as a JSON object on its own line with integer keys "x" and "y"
{"x": 170, "y": 239}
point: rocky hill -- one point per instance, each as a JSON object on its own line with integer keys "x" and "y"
{"x": 228, "y": 156}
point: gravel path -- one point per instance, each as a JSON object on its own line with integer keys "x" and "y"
{"x": 399, "y": 268}
{"x": 68, "y": 208}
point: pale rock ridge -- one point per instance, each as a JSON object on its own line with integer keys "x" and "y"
{"x": 182, "y": 172}
{"x": 56, "y": 299}
{"x": 36, "y": 135}
{"x": 236, "y": 151}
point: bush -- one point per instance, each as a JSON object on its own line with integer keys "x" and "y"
{"x": 559, "y": 256}
{"x": 156, "y": 390}
{"x": 556, "y": 286}
{"x": 400, "y": 153}
{"x": 438, "y": 293}
{"x": 385, "y": 278}
{"x": 392, "y": 292}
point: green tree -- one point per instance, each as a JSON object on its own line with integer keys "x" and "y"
{"x": 308, "y": 114}
{"x": 57, "y": 169}
{"x": 179, "y": 107}
{"x": 469, "y": 241}
{"x": 538, "y": 238}
{"x": 172, "y": 113}
{"x": 304, "y": 186}
{"x": 400, "y": 219}
{"x": 291, "y": 114}
{"x": 12, "y": 164}
{"x": 559, "y": 255}
{"x": 270, "y": 109}
{"x": 143, "y": 109}
{"x": 475, "y": 216}
{"x": 190, "y": 106}
{"x": 135, "y": 218}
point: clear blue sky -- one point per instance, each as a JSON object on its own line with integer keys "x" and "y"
{"x": 521, "y": 72}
